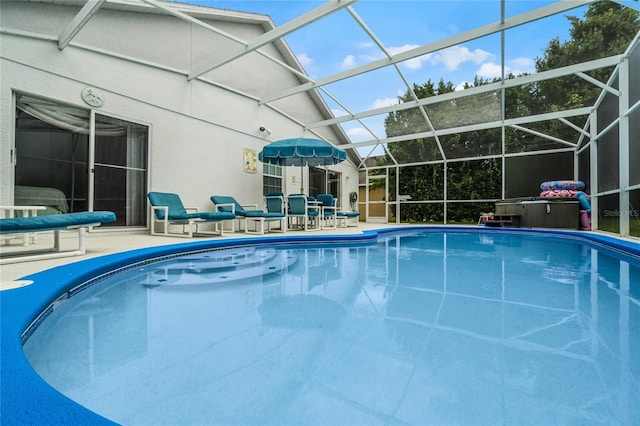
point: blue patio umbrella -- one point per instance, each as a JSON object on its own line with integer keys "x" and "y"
{"x": 302, "y": 152}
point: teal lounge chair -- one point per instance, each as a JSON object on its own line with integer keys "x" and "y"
{"x": 253, "y": 215}
{"x": 346, "y": 217}
{"x": 78, "y": 221}
{"x": 167, "y": 209}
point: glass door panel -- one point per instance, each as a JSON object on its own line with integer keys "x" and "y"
{"x": 317, "y": 181}
{"x": 333, "y": 186}
{"x": 120, "y": 170}
{"x": 377, "y": 209}
{"x": 52, "y": 146}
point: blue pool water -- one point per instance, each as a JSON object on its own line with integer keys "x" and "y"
{"x": 427, "y": 328}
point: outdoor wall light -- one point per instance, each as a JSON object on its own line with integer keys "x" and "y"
{"x": 265, "y": 130}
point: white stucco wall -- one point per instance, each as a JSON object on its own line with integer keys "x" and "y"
{"x": 197, "y": 129}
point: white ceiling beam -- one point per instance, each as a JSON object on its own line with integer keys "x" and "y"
{"x": 462, "y": 159}
{"x": 276, "y": 34}
{"x": 540, "y": 13}
{"x": 627, "y": 4}
{"x": 408, "y": 86}
{"x": 599, "y": 84}
{"x": 78, "y": 22}
{"x": 367, "y": 30}
{"x": 474, "y": 127}
{"x": 543, "y": 135}
{"x": 580, "y": 130}
{"x": 513, "y": 82}
{"x": 169, "y": 8}
{"x": 181, "y": 15}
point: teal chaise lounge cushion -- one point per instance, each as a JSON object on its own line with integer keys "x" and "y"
{"x": 78, "y": 222}
{"x": 54, "y": 221}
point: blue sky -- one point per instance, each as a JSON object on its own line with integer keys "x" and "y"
{"x": 337, "y": 43}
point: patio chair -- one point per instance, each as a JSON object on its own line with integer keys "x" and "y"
{"x": 328, "y": 211}
{"x": 167, "y": 209}
{"x": 275, "y": 203}
{"x": 259, "y": 218}
{"x": 304, "y": 213}
{"x": 341, "y": 219}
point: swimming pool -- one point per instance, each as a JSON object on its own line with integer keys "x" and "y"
{"x": 473, "y": 338}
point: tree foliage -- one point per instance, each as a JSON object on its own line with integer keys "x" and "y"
{"x": 607, "y": 29}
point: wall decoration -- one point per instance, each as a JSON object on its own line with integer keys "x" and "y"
{"x": 250, "y": 160}
{"x": 93, "y": 96}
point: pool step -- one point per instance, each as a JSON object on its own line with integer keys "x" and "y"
{"x": 218, "y": 267}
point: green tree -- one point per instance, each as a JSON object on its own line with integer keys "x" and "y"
{"x": 467, "y": 180}
{"x": 606, "y": 30}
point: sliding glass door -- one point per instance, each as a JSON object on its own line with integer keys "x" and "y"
{"x": 68, "y": 165}
{"x": 322, "y": 181}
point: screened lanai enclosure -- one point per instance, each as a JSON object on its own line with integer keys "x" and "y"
{"x": 441, "y": 121}
{"x": 447, "y": 156}
{"x": 441, "y": 150}
{"x": 448, "y": 152}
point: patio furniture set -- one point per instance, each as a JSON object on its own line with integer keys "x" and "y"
{"x": 295, "y": 211}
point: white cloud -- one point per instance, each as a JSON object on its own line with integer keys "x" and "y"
{"x": 414, "y": 63}
{"x": 490, "y": 70}
{"x": 460, "y": 85}
{"x": 338, "y": 112}
{"x": 370, "y": 57}
{"x": 349, "y": 61}
{"x": 305, "y": 59}
{"x": 521, "y": 62}
{"x": 394, "y": 50}
{"x": 365, "y": 45}
{"x": 359, "y": 134}
{"x": 521, "y": 66}
{"x": 451, "y": 58}
{"x": 454, "y": 56}
{"x": 514, "y": 66}
{"x": 383, "y": 102}
{"x": 372, "y": 53}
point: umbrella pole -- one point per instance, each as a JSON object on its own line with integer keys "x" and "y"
{"x": 301, "y": 179}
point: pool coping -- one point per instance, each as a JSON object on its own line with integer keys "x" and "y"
{"x": 26, "y": 398}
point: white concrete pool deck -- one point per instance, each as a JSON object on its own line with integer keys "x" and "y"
{"x": 101, "y": 242}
